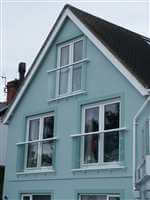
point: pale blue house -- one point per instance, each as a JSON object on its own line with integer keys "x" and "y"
{"x": 79, "y": 126}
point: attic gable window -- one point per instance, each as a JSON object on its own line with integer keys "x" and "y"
{"x": 69, "y": 75}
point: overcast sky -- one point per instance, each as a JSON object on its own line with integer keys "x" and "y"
{"x": 25, "y": 25}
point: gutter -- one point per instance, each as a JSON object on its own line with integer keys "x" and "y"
{"x": 134, "y": 138}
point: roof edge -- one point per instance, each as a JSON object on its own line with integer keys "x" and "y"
{"x": 66, "y": 12}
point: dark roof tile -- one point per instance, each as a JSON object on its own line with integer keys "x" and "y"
{"x": 130, "y": 48}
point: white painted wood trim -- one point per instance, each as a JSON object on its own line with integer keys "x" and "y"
{"x": 98, "y": 44}
{"x": 99, "y": 168}
{"x": 63, "y": 67}
{"x": 42, "y": 140}
{"x": 99, "y": 132}
{"x": 68, "y": 95}
{"x": 35, "y": 171}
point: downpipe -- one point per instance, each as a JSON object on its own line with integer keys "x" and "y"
{"x": 135, "y": 124}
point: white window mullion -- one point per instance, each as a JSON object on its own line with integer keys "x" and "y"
{"x": 26, "y": 145}
{"x": 57, "y": 82}
{"x": 39, "y": 155}
{"x": 58, "y": 72}
{"x": 101, "y": 124}
{"x": 40, "y": 143}
{"x": 83, "y": 138}
{"x": 101, "y": 151}
{"x": 70, "y": 68}
{"x": 99, "y": 137}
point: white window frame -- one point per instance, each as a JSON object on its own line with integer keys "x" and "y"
{"x": 30, "y": 195}
{"x": 70, "y": 66}
{"x": 108, "y": 196}
{"x": 40, "y": 141}
{"x": 101, "y": 133}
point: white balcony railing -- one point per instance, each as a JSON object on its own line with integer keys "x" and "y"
{"x": 143, "y": 170}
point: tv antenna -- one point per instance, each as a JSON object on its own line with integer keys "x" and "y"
{"x": 5, "y": 83}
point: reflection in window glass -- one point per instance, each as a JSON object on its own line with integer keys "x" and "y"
{"x": 47, "y": 153}
{"x": 111, "y": 116}
{"x": 34, "y": 129}
{"x": 76, "y": 81}
{"x": 93, "y": 197}
{"x": 64, "y": 57}
{"x": 92, "y": 119}
{"x": 32, "y": 155}
{"x": 114, "y": 198}
{"x": 98, "y": 197}
{"x": 91, "y": 149}
{"x": 63, "y": 81}
{"x": 111, "y": 146}
{"x": 48, "y": 127}
{"x": 78, "y": 50}
{"x": 41, "y": 197}
{"x": 26, "y": 198}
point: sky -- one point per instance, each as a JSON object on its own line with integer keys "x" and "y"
{"x": 25, "y": 25}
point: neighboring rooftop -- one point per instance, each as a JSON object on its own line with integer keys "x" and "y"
{"x": 132, "y": 49}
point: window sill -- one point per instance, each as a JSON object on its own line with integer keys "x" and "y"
{"x": 106, "y": 167}
{"x": 68, "y": 95}
{"x": 35, "y": 172}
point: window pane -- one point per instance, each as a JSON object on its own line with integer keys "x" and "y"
{"x": 78, "y": 51}
{"x": 114, "y": 198}
{"x": 92, "y": 119}
{"x": 93, "y": 197}
{"x": 111, "y": 146}
{"x": 76, "y": 82}
{"x": 32, "y": 155}
{"x": 63, "y": 81}
{"x": 111, "y": 116}
{"x": 47, "y": 153}
{"x": 64, "y": 57}
{"x": 34, "y": 129}
{"x": 26, "y": 198}
{"x": 48, "y": 127}
{"x": 91, "y": 149}
{"x": 41, "y": 197}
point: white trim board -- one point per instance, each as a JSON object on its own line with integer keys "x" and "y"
{"x": 68, "y": 13}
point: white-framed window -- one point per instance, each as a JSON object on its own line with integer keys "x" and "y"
{"x": 35, "y": 197}
{"x": 100, "y": 126}
{"x": 40, "y": 142}
{"x": 99, "y": 197}
{"x": 70, "y": 63}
